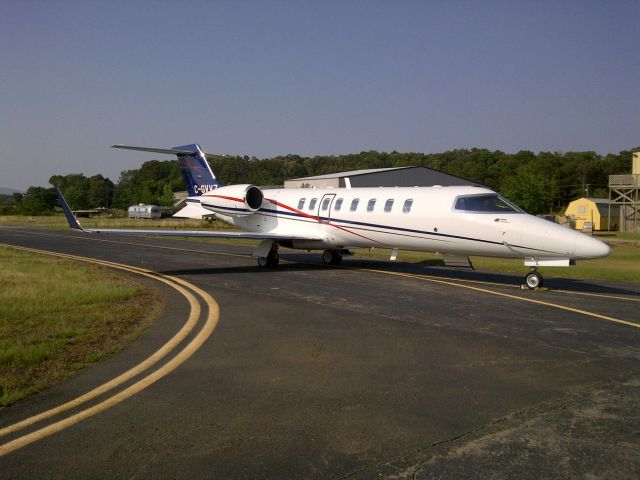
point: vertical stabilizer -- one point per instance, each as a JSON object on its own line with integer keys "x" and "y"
{"x": 196, "y": 171}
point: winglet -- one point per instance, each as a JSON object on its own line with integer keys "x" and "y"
{"x": 71, "y": 218}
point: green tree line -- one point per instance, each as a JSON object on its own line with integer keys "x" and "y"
{"x": 540, "y": 183}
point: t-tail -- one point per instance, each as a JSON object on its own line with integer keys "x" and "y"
{"x": 195, "y": 169}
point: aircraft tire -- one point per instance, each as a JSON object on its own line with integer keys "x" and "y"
{"x": 331, "y": 257}
{"x": 270, "y": 261}
{"x": 533, "y": 280}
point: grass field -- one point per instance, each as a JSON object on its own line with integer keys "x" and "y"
{"x": 58, "y": 316}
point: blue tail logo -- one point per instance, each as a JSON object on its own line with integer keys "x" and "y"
{"x": 196, "y": 171}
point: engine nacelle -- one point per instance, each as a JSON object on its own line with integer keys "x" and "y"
{"x": 234, "y": 200}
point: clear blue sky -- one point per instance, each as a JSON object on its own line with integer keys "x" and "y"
{"x": 275, "y": 77}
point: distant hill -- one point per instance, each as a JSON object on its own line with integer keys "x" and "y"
{"x": 9, "y": 191}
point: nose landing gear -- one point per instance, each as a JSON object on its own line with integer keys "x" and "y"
{"x": 533, "y": 280}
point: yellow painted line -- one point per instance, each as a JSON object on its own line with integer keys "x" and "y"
{"x": 463, "y": 280}
{"x": 451, "y": 279}
{"x": 138, "y": 369}
{"x": 517, "y": 287}
{"x": 208, "y": 328}
{"x": 601, "y": 295}
{"x": 506, "y": 295}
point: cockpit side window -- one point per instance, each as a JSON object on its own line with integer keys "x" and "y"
{"x": 490, "y": 203}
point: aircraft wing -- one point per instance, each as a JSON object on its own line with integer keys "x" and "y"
{"x": 197, "y": 233}
{"x": 73, "y": 223}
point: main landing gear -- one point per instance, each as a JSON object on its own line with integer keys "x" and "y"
{"x": 272, "y": 259}
{"x": 533, "y": 280}
{"x": 332, "y": 257}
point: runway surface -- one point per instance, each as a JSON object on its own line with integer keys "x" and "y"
{"x": 376, "y": 369}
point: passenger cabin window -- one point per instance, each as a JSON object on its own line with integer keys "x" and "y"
{"x": 406, "y": 208}
{"x": 325, "y": 204}
{"x": 312, "y": 203}
{"x": 354, "y": 204}
{"x": 371, "y": 205}
{"x": 485, "y": 204}
{"x": 389, "y": 205}
{"x": 338, "y": 205}
{"x": 301, "y": 203}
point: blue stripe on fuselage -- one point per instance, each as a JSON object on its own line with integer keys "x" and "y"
{"x": 217, "y": 207}
{"x": 374, "y": 225}
{"x": 396, "y": 229}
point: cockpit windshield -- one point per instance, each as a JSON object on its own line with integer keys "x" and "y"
{"x": 489, "y": 203}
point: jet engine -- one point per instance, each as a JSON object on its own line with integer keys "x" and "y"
{"x": 233, "y": 200}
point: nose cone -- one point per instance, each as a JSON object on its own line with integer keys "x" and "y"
{"x": 588, "y": 247}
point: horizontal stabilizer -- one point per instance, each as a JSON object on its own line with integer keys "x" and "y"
{"x": 168, "y": 151}
{"x": 194, "y": 167}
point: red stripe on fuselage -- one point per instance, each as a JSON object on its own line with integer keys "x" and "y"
{"x": 227, "y": 198}
{"x": 317, "y": 219}
{"x": 299, "y": 212}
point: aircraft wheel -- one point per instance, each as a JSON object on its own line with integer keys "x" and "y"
{"x": 533, "y": 280}
{"x": 331, "y": 257}
{"x": 273, "y": 260}
{"x": 270, "y": 261}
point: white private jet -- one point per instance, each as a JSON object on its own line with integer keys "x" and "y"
{"x": 454, "y": 221}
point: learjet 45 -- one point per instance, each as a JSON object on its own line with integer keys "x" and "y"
{"x": 456, "y": 222}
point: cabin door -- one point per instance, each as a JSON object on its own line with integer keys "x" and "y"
{"x": 324, "y": 207}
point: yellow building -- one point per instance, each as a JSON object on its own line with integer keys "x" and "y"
{"x": 595, "y": 211}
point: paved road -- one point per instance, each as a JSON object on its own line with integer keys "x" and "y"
{"x": 316, "y": 372}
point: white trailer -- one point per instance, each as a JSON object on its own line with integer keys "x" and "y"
{"x": 145, "y": 211}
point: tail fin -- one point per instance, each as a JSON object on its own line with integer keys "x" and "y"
{"x": 195, "y": 169}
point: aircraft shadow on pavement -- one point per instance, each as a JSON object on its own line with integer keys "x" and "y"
{"x": 434, "y": 268}
{"x": 283, "y": 268}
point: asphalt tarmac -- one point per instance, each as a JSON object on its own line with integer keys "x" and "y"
{"x": 375, "y": 370}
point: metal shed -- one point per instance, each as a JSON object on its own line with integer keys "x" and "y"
{"x": 381, "y": 177}
{"x": 594, "y": 211}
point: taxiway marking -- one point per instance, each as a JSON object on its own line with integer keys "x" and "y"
{"x": 177, "y": 283}
{"x": 501, "y": 294}
{"x": 208, "y": 252}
